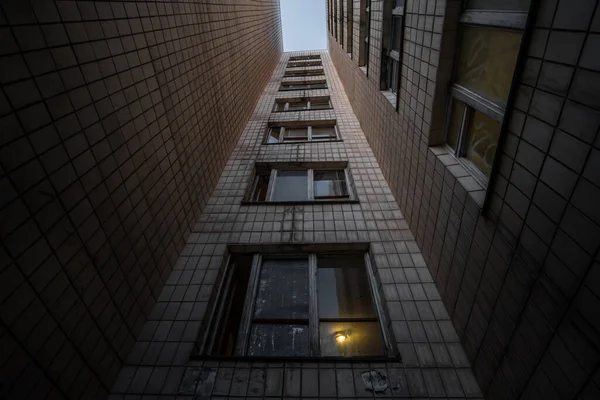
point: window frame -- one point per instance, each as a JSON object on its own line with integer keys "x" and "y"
{"x": 303, "y": 72}
{"x": 507, "y": 20}
{"x": 309, "y": 139}
{"x": 285, "y": 86}
{"x": 310, "y": 167}
{"x": 305, "y": 58}
{"x": 394, "y": 56}
{"x": 311, "y": 253}
{"x": 304, "y": 64}
{"x": 308, "y": 101}
{"x": 366, "y": 12}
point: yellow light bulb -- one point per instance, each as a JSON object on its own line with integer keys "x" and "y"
{"x": 340, "y": 338}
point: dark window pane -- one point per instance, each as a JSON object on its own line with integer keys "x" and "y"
{"x": 298, "y": 105}
{"x": 482, "y": 142}
{"x": 498, "y": 5}
{"x": 282, "y": 289}
{"x": 295, "y": 135}
{"x": 330, "y": 184}
{"x": 397, "y": 38}
{"x": 319, "y": 104}
{"x": 393, "y": 80}
{"x": 456, "y": 116}
{"x": 350, "y": 339}
{"x": 323, "y": 133}
{"x": 278, "y": 340}
{"x": 274, "y": 135}
{"x": 486, "y": 63}
{"x": 228, "y": 326}
{"x": 260, "y": 187}
{"x": 344, "y": 293}
{"x": 279, "y": 106}
{"x": 290, "y": 185}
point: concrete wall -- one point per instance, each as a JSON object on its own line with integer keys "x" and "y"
{"x": 433, "y": 361}
{"x": 519, "y": 274}
{"x": 116, "y": 120}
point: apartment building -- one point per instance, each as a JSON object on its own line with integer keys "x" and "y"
{"x": 301, "y": 278}
{"x": 189, "y": 213}
{"x": 484, "y": 118}
{"x": 112, "y": 122}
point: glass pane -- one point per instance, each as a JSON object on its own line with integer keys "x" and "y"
{"x": 317, "y": 86}
{"x": 498, "y": 5}
{"x": 298, "y": 105}
{"x": 279, "y": 106}
{"x": 323, "y": 133}
{"x": 233, "y": 305}
{"x": 260, "y": 187}
{"x": 455, "y": 121}
{"x": 278, "y": 340}
{"x": 295, "y": 135}
{"x": 487, "y": 61}
{"x": 319, "y": 104}
{"x": 274, "y": 135}
{"x": 393, "y": 82}
{"x": 398, "y": 3}
{"x": 290, "y": 186}
{"x": 397, "y": 38}
{"x": 350, "y": 339}
{"x": 282, "y": 289}
{"x": 330, "y": 184}
{"x": 344, "y": 293}
{"x": 482, "y": 142}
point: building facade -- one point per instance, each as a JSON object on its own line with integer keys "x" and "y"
{"x": 484, "y": 118}
{"x": 302, "y": 193}
{"x": 116, "y": 120}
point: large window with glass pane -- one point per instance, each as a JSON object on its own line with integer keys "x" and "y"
{"x": 323, "y": 131}
{"x": 312, "y": 182}
{"x": 302, "y": 104}
{"x": 490, "y": 37}
{"x": 298, "y": 305}
{"x": 303, "y": 85}
{"x": 393, "y": 46}
{"x": 365, "y": 28}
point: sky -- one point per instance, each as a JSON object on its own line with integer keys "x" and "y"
{"x": 303, "y": 25}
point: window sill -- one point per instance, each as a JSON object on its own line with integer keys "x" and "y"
{"x": 391, "y": 97}
{"x": 305, "y": 142}
{"x": 375, "y": 359}
{"x": 298, "y": 203}
{"x": 363, "y": 69}
{"x": 458, "y": 168}
{"x": 310, "y": 109}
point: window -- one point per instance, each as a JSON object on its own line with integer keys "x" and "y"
{"x": 307, "y": 63}
{"x": 295, "y": 304}
{"x": 303, "y": 72}
{"x": 324, "y": 131}
{"x": 312, "y": 182}
{"x": 302, "y": 58}
{"x": 490, "y": 39}
{"x": 393, "y": 47}
{"x": 303, "y": 85}
{"x": 365, "y": 28}
{"x": 301, "y": 104}
{"x": 350, "y": 27}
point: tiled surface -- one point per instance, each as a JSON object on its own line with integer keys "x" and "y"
{"x": 116, "y": 119}
{"x": 433, "y": 361}
{"x": 520, "y": 283}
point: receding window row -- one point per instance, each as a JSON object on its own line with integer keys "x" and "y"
{"x": 302, "y": 104}
{"x": 319, "y": 131}
{"x": 303, "y": 72}
{"x": 298, "y": 304}
{"x": 303, "y": 85}
{"x": 300, "y": 182}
